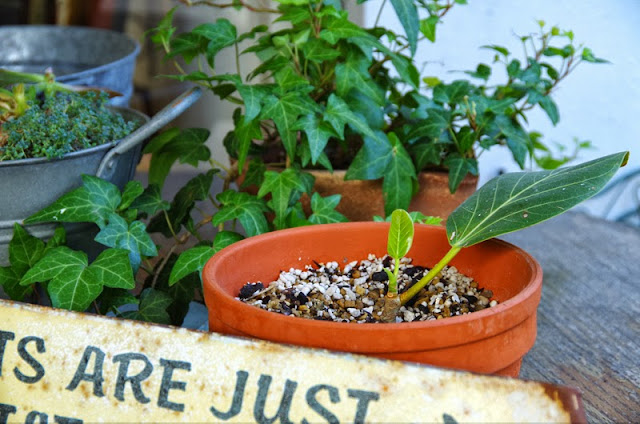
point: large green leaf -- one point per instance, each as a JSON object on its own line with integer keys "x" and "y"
{"x": 400, "y": 234}
{"x": 353, "y": 74}
{"x": 338, "y": 114}
{"x": 150, "y": 201}
{"x": 189, "y": 261}
{"x": 73, "y": 285}
{"x": 93, "y": 202}
{"x": 319, "y": 51}
{"x": 252, "y": 96}
{"x": 113, "y": 269}
{"x": 281, "y": 185}
{"x": 284, "y": 112}
{"x": 248, "y": 209}
{"x": 459, "y": 167}
{"x": 318, "y": 135}
{"x": 514, "y": 201}
{"x": 153, "y": 307}
{"x": 220, "y": 34}
{"x": 10, "y": 283}
{"x": 324, "y": 209}
{"x": 372, "y": 160}
{"x": 408, "y": 16}
{"x": 24, "y": 250}
{"x": 132, "y": 190}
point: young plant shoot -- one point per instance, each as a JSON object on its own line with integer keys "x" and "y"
{"x": 507, "y": 203}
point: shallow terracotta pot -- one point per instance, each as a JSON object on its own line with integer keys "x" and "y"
{"x": 493, "y": 340}
{"x": 361, "y": 200}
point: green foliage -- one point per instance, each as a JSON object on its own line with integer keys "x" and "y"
{"x": 330, "y": 94}
{"x": 58, "y": 123}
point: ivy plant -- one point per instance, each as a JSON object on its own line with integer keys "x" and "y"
{"x": 505, "y": 204}
{"x": 330, "y": 94}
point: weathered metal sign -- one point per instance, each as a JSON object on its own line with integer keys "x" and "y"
{"x": 63, "y": 367}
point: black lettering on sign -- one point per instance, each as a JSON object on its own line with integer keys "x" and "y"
{"x": 40, "y": 416}
{"x": 168, "y": 384}
{"x": 33, "y": 363}
{"x": 95, "y": 377}
{"x": 313, "y": 403}
{"x": 135, "y": 380}
{"x": 238, "y": 395}
{"x": 5, "y": 411}
{"x": 448, "y": 419}
{"x": 66, "y": 420}
{"x": 364, "y": 398}
{"x": 285, "y": 403}
{"x": 5, "y": 336}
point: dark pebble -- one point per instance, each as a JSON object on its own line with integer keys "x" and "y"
{"x": 413, "y": 270}
{"x": 302, "y": 298}
{"x": 386, "y": 262}
{"x": 286, "y": 310}
{"x": 249, "y": 289}
{"x": 379, "y": 276}
{"x": 472, "y": 299}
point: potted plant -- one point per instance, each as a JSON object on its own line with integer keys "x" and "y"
{"x": 330, "y": 95}
{"x": 492, "y": 340}
{"x": 52, "y": 133}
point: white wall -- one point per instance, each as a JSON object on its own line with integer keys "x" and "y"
{"x": 598, "y": 102}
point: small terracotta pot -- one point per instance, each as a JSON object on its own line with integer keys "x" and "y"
{"x": 493, "y": 340}
{"x": 362, "y": 199}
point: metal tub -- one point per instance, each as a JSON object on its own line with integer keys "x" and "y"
{"x": 78, "y": 55}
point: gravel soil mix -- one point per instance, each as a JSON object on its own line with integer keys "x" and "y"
{"x": 356, "y": 292}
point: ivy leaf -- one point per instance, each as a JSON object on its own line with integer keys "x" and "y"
{"x": 153, "y": 307}
{"x": 397, "y": 186}
{"x": 514, "y": 201}
{"x": 289, "y": 80}
{"x": 114, "y": 298}
{"x": 499, "y": 49}
{"x": 588, "y": 56}
{"x": 284, "y": 112}
{"x": 73, "y": 285}
{"x": 255, "y": 173}
{"x": 281, "y": 185}
{"x": 246, "y": 132}
{"x": 549, "y": 106}
{"x": 324, "y": 209}
{"x": 248, "y": 209}
{"x": 340, "y": 28}
{"x": 372, "y": 159}
{"x": 428, "y": 27}
{"x": 162, "y": 33}
{"x": 459, "y": 167}
{"x": 25, "y": 250}
{"x": 179, "y": 212}
{"x": 338, "y": 114}
{"x": 408, "y": 16}
{"x": 517, "y": 139}
{"x": 93, "y": 202}
{"x": 187, "y": 45}
{"x": 354, "y": 74}
{"x": 150, "y": 201}
{"x": 425, "y": 153}
{"x": 432, "y": 126}
{"x": 59, "y": 238}
{"x": 113, "y": 269}
{"x": 132, "y": 237}
{"x": 252, "y": 96}
{"x": 190, "y": 261}
{"x": 10, "y": 283}
{"x": 131, "y": 191}
{"x": 225, "y": 238}
{"x": 318, "y": 135}
{"x": 188, "y": 146}
{"x": 318, "y": 51}
{"x": 482, "y": 72}
{"x": 221, "y": 34}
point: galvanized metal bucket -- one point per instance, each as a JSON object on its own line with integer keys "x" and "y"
{"x": 28, "y": 185}
{"x": 78, "y": 55}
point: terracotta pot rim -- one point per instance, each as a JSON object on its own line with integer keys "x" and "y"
{"x": 510, "y": 304}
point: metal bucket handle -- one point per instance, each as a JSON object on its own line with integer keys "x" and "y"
{"x": 159, "y": 120}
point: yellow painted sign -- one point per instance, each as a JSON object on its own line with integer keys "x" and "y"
{"x": 64, "y": 367}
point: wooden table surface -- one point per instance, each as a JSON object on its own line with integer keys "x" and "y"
{"x": 589, "y": 315}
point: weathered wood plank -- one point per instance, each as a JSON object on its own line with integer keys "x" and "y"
{"x": 588, "y": 319}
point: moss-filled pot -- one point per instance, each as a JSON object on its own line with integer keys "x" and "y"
{"x": 492, "y": 341}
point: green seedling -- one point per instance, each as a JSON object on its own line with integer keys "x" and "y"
{"x": 505, "y": 204}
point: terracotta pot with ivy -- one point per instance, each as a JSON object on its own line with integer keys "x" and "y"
{"x": 331, "y": 95}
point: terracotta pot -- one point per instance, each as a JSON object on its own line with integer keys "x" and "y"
{"x": 493, "y": 340}
{"x": 361, "y": 200}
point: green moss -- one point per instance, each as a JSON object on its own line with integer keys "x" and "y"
{"x": 60, "y": 124}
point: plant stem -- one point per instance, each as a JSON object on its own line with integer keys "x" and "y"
{"x": 225, "y": 5}
{"x": 379, "y": 13}
{"x": 413, "y": 290}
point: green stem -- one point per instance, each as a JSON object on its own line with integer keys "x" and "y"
{"x": 408, "y": 295}
{"x": 379, "y": 13}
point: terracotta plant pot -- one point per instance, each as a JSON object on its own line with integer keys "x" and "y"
{"x": 493, "y": 340}
{"x": 361, "y": 200}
